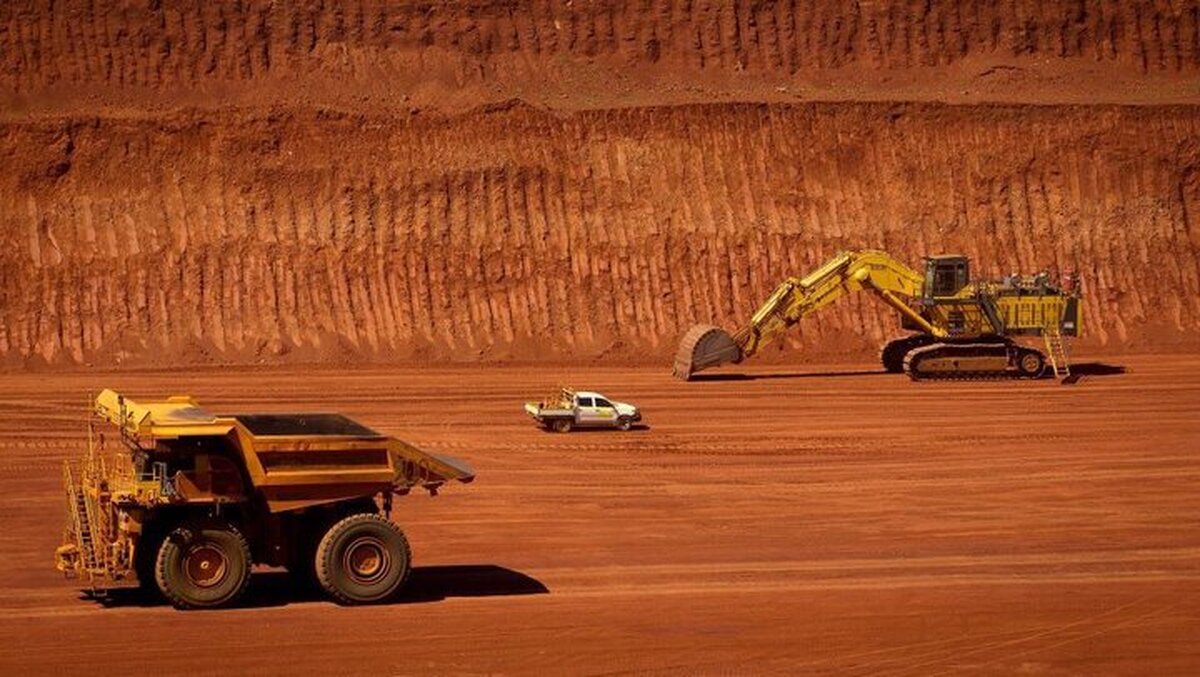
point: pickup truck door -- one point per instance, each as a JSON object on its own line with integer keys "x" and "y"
{"x": 585, "y": 411}
{"x": 606, "y": 413}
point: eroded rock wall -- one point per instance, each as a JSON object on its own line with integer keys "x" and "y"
{"x": 517, "y": 232}
{"x": 194, "y": 181}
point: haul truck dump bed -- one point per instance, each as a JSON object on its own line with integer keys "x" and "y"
{"x": 188, "y": 500}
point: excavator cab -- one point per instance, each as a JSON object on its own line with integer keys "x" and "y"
{"x": 946, "y": 275}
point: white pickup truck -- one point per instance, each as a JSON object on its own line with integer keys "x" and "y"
{"x": 582, "y": 409}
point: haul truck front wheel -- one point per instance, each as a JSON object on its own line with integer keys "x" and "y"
{"x": 203, "y": 565}
{"x": 362, "y": 559}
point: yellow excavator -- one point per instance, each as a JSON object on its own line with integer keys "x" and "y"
{"x": 960, "y": 329}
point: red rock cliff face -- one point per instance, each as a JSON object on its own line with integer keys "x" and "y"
{"x": 245, "y": 181}
{"x": 592, "y": 54}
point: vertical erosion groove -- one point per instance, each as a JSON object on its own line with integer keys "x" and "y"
{"x": 187, "y": 181}
{"x": 156, "y": 45}
{"x": 604, "y": 232}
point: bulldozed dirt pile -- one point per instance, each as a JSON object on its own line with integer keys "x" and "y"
{"x": 190, "y": 182}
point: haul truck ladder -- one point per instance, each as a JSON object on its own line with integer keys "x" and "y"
{"x": 80, "y": 519}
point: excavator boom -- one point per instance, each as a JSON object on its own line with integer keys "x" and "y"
{"x": 893, "y": 282}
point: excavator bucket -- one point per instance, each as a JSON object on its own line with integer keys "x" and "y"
{"x": 704, "y": 346}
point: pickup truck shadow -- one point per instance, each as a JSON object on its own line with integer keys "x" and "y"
{"x": 794, "y": 374}
{"x": 426, "y": 584}
{"x": 639, "y": 427}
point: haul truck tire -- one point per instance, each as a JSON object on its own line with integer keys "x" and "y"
{"x": 363, "y": 558}
{"x": 203, "y": 565}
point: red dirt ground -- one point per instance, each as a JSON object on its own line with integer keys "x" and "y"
{"x": 810, "y": 519}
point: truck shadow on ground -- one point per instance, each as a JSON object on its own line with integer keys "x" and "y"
{"x": 426, "y": 584}
{"x": 636, "y": 428}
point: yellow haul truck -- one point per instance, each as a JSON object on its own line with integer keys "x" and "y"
{"x": 186, "y": 501}
{"x": 961, "y": 328}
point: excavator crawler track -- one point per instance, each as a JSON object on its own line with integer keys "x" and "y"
{"x": 892, "y": 353}
{"x": 975, "y": 361}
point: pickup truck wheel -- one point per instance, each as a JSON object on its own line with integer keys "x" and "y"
{"x": 562, "y": 425}
{"x": 624, "y": 423}
{"x": 203, "y": 565}
{"x": 362, "y": 559}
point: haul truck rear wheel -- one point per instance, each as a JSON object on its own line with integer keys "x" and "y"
{"x": 363, "y": 558}
{"x": 203, "y": 565}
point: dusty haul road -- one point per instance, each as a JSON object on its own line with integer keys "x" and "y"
{"x": 809, "y": 520}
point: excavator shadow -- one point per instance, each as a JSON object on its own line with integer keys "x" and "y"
{"x": 1079, "y": 371}
{"x": 1097, "y": 369}
{"x": 426, "y": 584}
{"x": 796, "y": 374}
{"x": 1085, "y": 370}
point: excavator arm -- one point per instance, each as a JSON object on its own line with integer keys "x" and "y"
{"x": 891, "y": 281}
